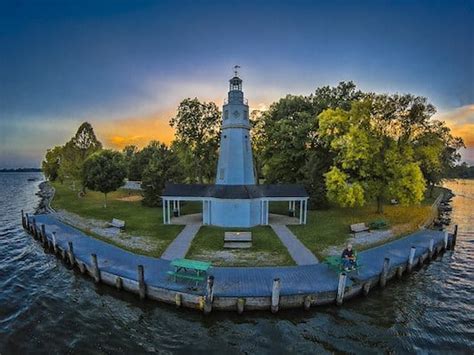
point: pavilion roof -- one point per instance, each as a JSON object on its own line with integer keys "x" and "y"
{"x": 234, "y": 191}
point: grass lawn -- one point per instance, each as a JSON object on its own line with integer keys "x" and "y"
{"x": 266, "y": 250}
{"x": 331, "y": 227}
{"x": 140, "y": 220}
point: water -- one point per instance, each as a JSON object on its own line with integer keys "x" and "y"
{"x": 47, "y": 308}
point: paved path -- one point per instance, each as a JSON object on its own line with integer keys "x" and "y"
{"x": 180, "y": 245}
{"x": 300, "y": 254}
{"x": 234, "y": 281}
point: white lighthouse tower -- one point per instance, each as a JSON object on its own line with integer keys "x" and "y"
{"x": 235, "y": 165}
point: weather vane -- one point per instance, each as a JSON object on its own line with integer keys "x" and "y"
{"x": 236, "y": 70}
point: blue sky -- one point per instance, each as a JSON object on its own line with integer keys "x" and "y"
{"x": 125, "y": 65}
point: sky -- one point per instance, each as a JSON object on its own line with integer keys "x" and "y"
{"x": 124, "y": 66}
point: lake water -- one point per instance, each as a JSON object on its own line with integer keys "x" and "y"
{"x": 47, "y": 308}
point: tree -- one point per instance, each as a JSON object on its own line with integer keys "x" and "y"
{"x": 129, "y": 153}
{"x": 104, "y": 171}
{"x": 76, "y": 151}
{"x": 51, "y": 163}
{"x": 197, "y": 126}
{"x": 369, "y": 164}
{"x": 140, "y": 160}
{"x": 163, "y": 167}
{"x": 288, "y": 145}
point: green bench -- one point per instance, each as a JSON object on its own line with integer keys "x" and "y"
{"x": 187, "y": 269}
{"x": 335, "y": 263}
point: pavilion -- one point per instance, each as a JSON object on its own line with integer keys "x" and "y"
{"x": 235, "y": 200}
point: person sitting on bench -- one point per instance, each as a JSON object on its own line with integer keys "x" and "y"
{"x": 348, "y": 258}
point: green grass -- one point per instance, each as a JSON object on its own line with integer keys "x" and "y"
{"x": 332, "y": 227}
{"x": 140, "y": 220}
{"x": 266, "y": 250}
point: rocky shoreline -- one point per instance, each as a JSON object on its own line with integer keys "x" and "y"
{"x": 46, "y": 194}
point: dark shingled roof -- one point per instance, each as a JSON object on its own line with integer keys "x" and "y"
{"x": 234, "y": 191}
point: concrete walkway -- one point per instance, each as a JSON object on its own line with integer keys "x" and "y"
{"x": 180, "y": 245}
{"x": 300, "y": 254}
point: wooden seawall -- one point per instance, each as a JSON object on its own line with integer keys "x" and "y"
{"x": 236, "y": 288}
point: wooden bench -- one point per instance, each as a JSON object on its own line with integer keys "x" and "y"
{"x": 359, "y": 227}
{"x": 117, "y": 223}
{"x": 335, "y": 263}
{"x": 187, "y": 269}
{"x": 238, "y": 240}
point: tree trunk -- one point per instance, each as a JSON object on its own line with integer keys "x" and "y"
{"x": 379, "y": 205}
{"x": 105, "y": 200}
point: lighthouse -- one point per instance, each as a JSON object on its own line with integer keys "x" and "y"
{"x": 235, "y": 199}
{"x": 235, "y": 164}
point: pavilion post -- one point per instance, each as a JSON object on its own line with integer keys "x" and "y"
{"x": 267, "y": 211}
{"x": 164, "y": 209}
{"x": 301, "y": 211}
{"x": 179, "y": 208}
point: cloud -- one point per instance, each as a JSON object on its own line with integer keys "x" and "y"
{"x": 461, "y": 122}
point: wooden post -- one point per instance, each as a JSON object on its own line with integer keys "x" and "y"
{"x": 55, "y": 247}
{"x": 71, "y": 253}
{"x": 307, "y": 303}
{"x": 34, "y": 229}
{"x": 445, "y": 240}
{"x": 454, "y": 237}
{"x": 95, "y": 268}
{"x": 119, "y": 283}
{"x": 178, "y": 300}
{"x": 27, "y": 222}
{"x": 400, "y": 272}
{"x": 383, "y": 274}
{"x": 411, "y": 258}
{"x": 141, "y": 282}
{"x": 209, "y": 295}
{"x": 341, "y": 288}
{"x": 240, "y": 305}
{"x": 366, "y": 288}
{"x": 275, "y": 295}
{"x": 44, "y": 239}
{"x": 430, "y": 249}
{"x": 23, "y": 223}
{"x": 82, "y": 267}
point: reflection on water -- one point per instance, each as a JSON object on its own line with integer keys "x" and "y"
{"x": 45, "y": 307}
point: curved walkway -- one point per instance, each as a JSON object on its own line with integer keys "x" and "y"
{"x": 253, "y": 284}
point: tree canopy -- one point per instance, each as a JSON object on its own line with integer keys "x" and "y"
{"x": 104, "y": 171}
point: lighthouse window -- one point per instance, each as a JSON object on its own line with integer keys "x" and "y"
{"x": 225, "y": 136}
{"x": 226, "y": 114}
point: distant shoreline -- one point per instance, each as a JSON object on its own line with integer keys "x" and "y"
{"x": 21, "y": 170}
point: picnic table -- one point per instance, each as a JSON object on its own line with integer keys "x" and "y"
{"x": 189, "y": 269}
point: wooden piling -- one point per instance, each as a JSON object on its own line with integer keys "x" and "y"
{"x": 366, "y": 288}
{"x": 27, "y": 222}
{"x": 341, "y": 288}
{"x": 141, "y": 282}
{"x": 431, "y": 249}
{"x": 44, "y": 239}
{"x": 384, "y": 273}
{"x": 23, "y": 222}
{"x": 82, "y": 267}
{"x": 119, "y": 283}
{"x": 307, "y": 303}
{"x": 34, "y": 230}
{"x": 55, "y": 247}
{"x": 178, "y": 300}
{"x": 454, "y": 237}
{"x": 71, "y": 253}
{"x": 240, "y": 305}
{"x": 95, "y": 268}
{"x": 400, "y": 272}
{"x": 411, "y": 259}
{"x": 275, "y": 295}
{"x": 209, "y": 295}
{"x": 445, "y": 240}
